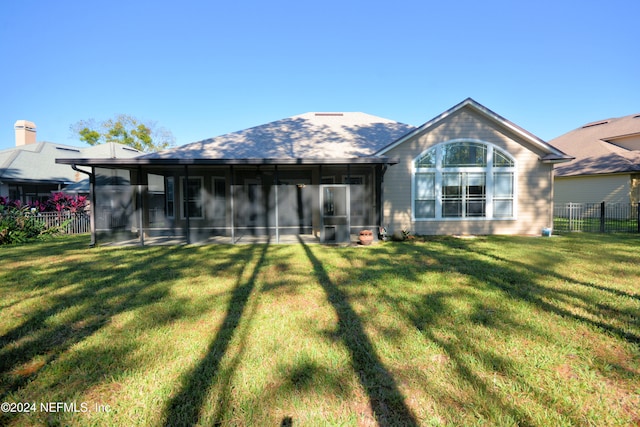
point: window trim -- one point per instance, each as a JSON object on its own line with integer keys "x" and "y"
{"x": 489, "y": 170}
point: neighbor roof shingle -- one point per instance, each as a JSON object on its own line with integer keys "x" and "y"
{"x": 594, "y": 153}
{"x": 37, "y": 162}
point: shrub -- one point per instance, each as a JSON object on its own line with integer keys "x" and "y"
{"x": 60, "y": 202}
{"x": 19, "y": 222}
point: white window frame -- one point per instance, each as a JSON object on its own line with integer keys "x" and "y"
{"x": 489, "y": 170}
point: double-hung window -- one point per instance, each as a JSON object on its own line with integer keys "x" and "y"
{"x": 463, "y": 179}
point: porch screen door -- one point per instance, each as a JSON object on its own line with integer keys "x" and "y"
{"x": 335, "y": 206}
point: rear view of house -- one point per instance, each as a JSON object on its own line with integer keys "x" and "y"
{"x": 327, "y": 176}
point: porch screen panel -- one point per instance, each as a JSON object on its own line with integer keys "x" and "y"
{"x": 115, "y": 204}
{"x": 217, "y": 203}
{"x": 254, "y": 201}
{"x": 192, "y": 197}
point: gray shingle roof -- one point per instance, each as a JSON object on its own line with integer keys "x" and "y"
{"x": 306, "y": 136}
{"x": 36, "y": 162}
{"x": 599, "y": 149}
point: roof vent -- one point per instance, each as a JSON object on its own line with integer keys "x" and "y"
{"x": 637, "y": 116}
{"x": 588, "y": 125}
{"x": 329, "y": 114}
{"x": 75, "y": 150}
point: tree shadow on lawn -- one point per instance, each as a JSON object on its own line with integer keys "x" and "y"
{"x": 100, "y": 286}
{"x": 387, "y": 402}
{"x": 516, "y": 280}
{"x": 507, "y": 274}
{"x": 185, "y": 407}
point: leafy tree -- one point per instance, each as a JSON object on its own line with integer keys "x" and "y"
{"x": 126, "y": 130}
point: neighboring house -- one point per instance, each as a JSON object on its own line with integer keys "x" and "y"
{"x": 607, "y": 162}
{"x": 29, "y": 171}
{"x": 331, "y": 175}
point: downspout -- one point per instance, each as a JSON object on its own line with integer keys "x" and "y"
{"x": 92, "y": 198}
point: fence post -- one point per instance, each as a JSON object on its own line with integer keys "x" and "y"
{"x": 638, "y": 216}
{"x": 570, "y": 205}
{"x": 602, "y": 215}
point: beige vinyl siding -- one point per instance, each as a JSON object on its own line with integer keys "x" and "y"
{"x": 534, "y": 181}
{"x": 635, "y": 188}
{"x": 593, "y": 189}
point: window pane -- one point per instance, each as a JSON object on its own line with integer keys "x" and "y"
{"x": 464, "y": 154}
{"x": 500, "y": 160}
{"x": 476, "y": 208}
{"x": 354, "y": 180}
{"x": 452, "y": 208}
{"x": 475, "y": 185}
{"x": 193, "y": 188}
{"x": 428, "y": 160}
{"x": 219, "y": 188}
{"x": 503, "y": 208}
{"x": 425, "y": 186}
{"x": 451, "y": 184}
{"x": 425, "y": 209}
{"x": 503, "y": 184}
{"x": 335, "y": 201}
{"x": 195, "y": 210}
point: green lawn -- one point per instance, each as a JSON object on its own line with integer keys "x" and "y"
{"x": 487, "y": 331}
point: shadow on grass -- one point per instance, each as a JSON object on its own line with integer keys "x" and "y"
{"x": 540, "y": 284}
{"x": 88, "y": 304}
{"x": 387, "y": 402}
{"x": 71, "y": 296}
{"x": 185, "y": 407}
{"x": 504, "y": 274}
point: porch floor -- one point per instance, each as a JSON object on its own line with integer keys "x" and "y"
{"x": 213, "y": 240}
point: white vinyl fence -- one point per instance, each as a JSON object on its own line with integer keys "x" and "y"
{"x": 72, "y": 223}
{"x": 597, "y": 217}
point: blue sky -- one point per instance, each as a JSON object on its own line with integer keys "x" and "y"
{"x": 205, "y": 68}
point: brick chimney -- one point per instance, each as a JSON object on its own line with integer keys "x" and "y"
{"x": 25, "y": 132}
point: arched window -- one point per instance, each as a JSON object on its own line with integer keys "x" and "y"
{"x": 464, "y": 179}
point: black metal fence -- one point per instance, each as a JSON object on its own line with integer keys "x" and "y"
{"x": 597, "y": 217}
